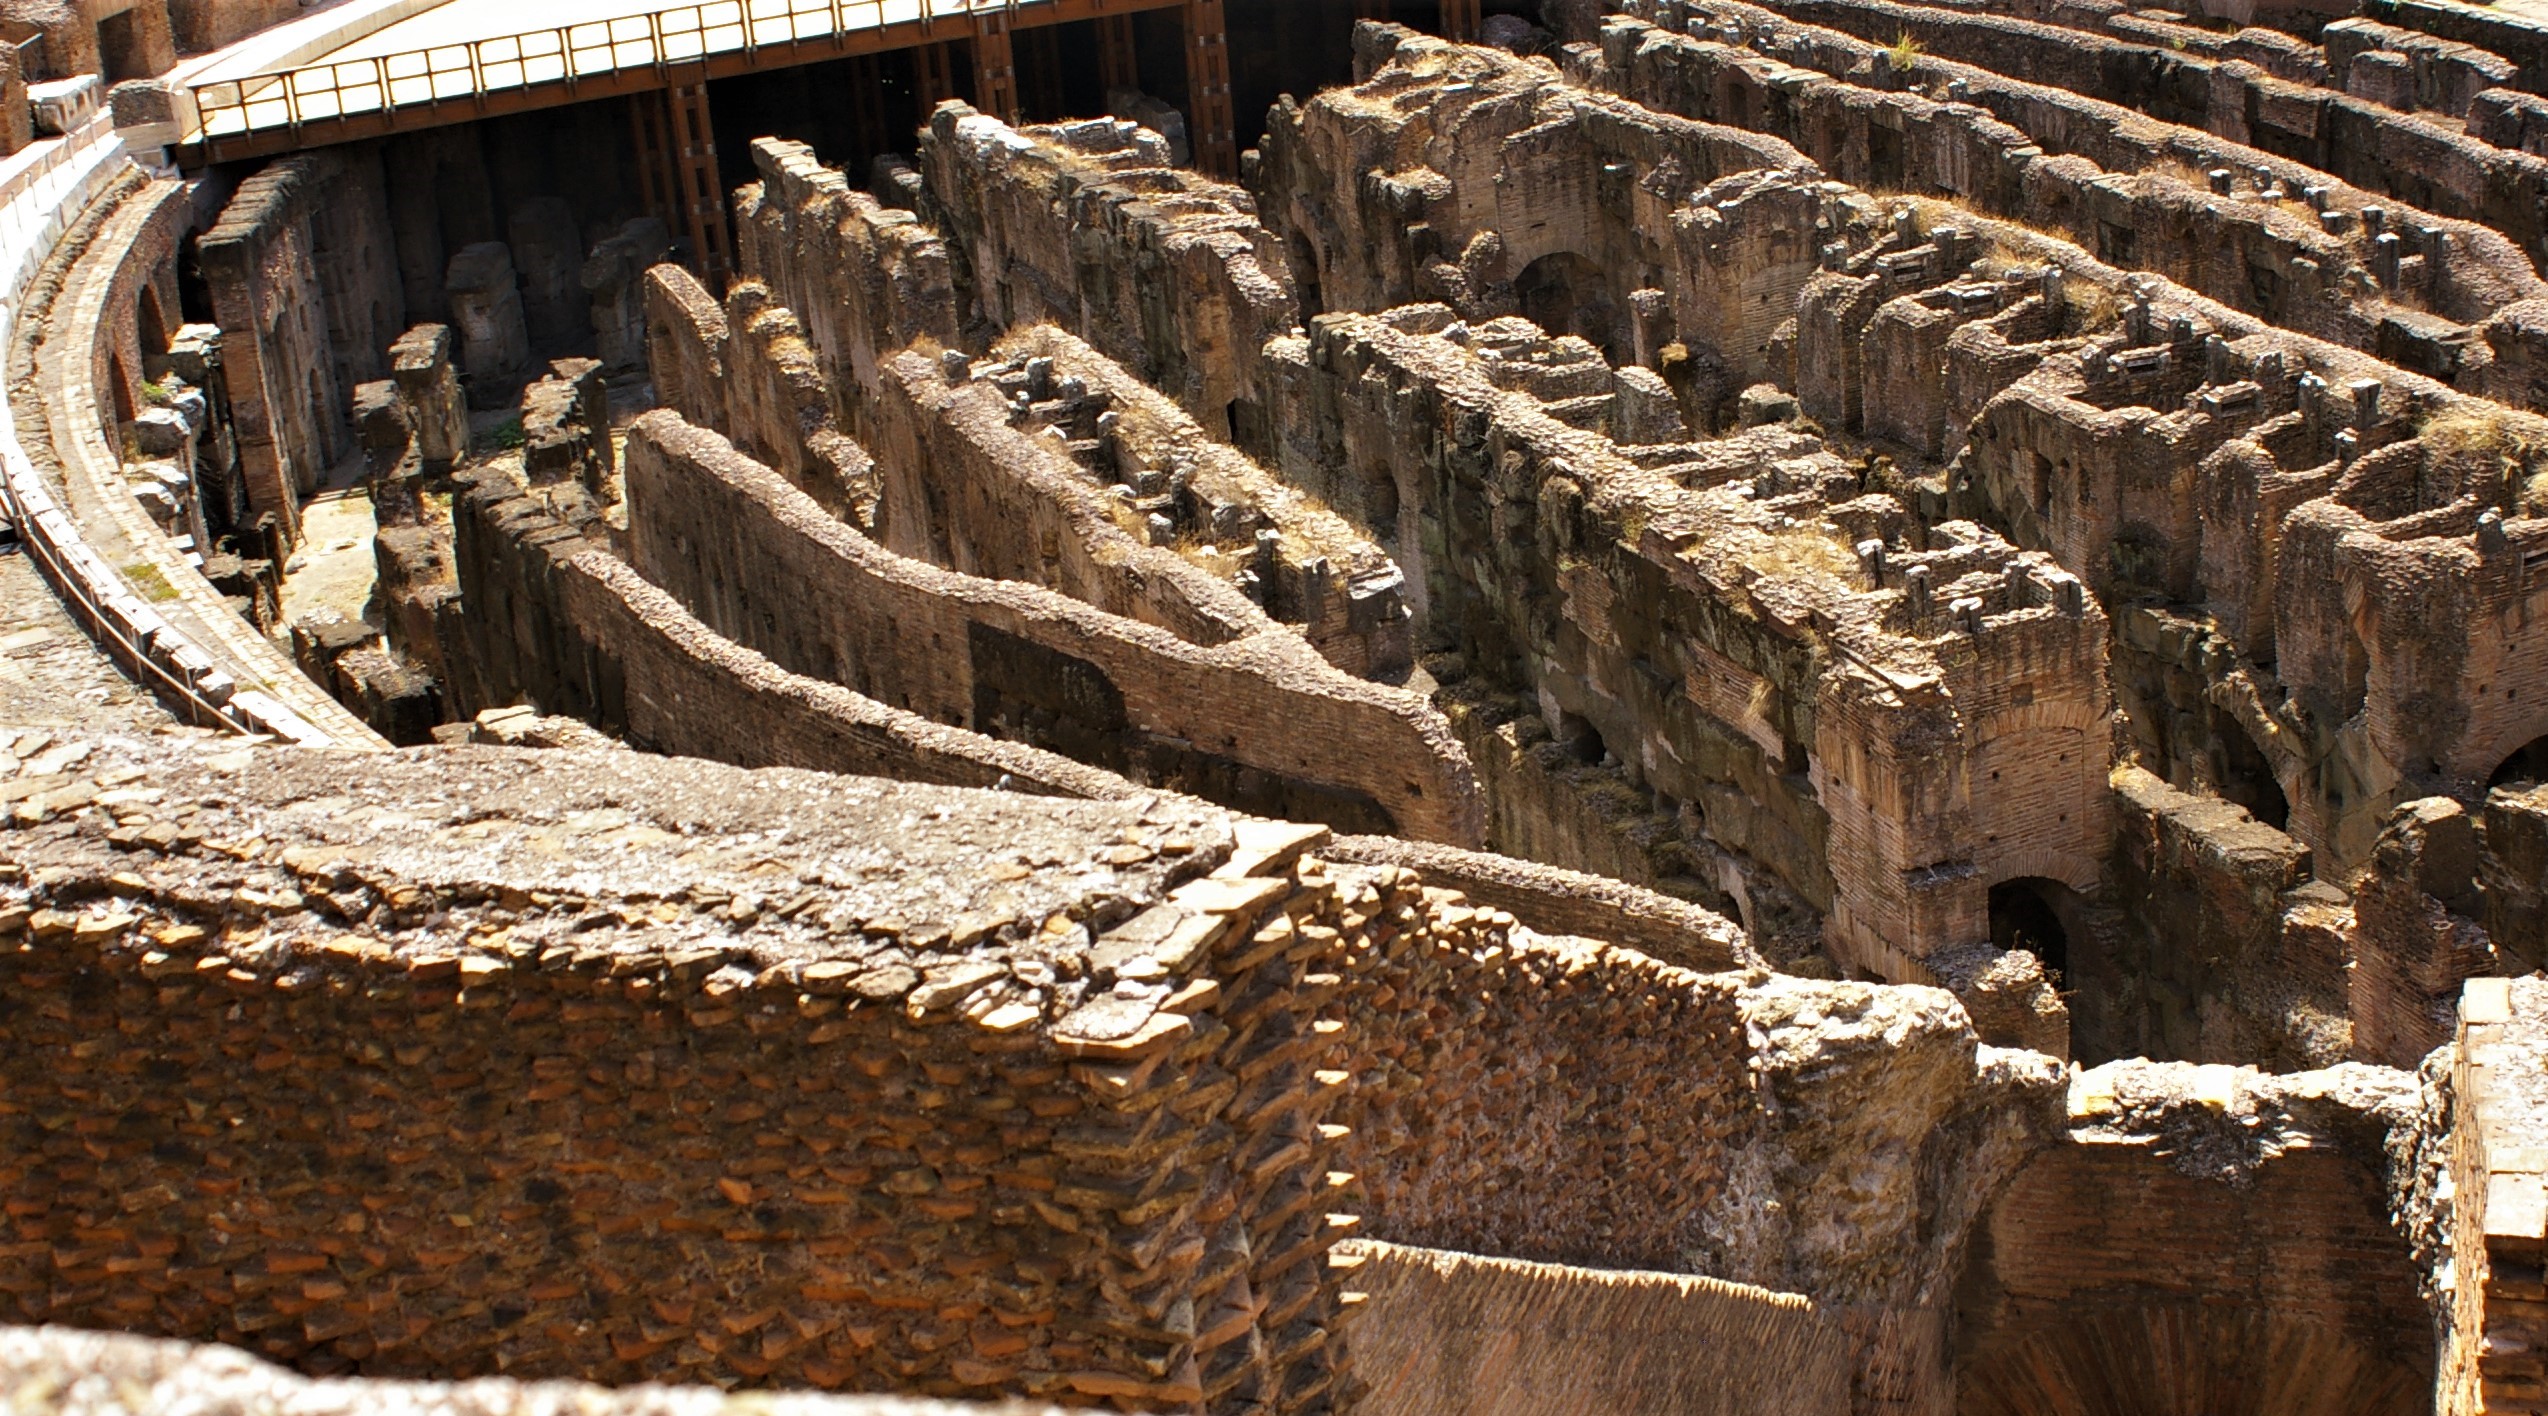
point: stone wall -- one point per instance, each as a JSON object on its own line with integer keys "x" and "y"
{"x": 1805, "y": 739}
{"x": 523, "y": 1061}
{"x": 1087, "y": 225}
{"x": 548, "y": 616}
{"x": 200, "y": 26}
{"x": 1503, "y": 190}
{"x": 745, "y": 370}
{"x": 1260, "y": 720}
{"x": 1445, "y": 1334}
{"x": 868, "y": 279}
{"x": 2494, "y": 1219}
{"x": 2223, "y": 949}
{"x": 291, "y": 361}
{"x": 962, "y": 486}
{"x": 2133, "y": 192}
{"x": 2102, "y": 1274}
{"x": 1300, "y": 561}
{"x": 2403, "y": 157}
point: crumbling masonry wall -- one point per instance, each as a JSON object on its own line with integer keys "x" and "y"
{"x": 1261, "y": 719}
{"x": 290, "y": 361}
{"x": 554, "y": 619}
{"x": 1088, "y": 225}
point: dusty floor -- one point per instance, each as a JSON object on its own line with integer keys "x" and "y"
{"x": 334, "y": 569}
{"x": 50, "y": 674}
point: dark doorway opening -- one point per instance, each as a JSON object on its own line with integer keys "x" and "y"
{"x": 2026, "y": 913}
{"x": 1563, "y": 293}
{"x": 119, "y": 47}
{"x": 2526, "y": 766}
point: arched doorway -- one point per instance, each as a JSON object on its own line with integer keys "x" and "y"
{"x": 2528, "y": 766}
{"x": 1565, "y": 294}
{"x": 2034, "y": 914}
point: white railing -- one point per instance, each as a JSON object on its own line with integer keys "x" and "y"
{"x": 681, "y": 34}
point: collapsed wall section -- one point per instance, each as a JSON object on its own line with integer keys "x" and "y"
{"x": 1798, "y": 737}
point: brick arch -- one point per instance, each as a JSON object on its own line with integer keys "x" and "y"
{"x": 2063, "y": 867}
{"x": 2052, "y": 713}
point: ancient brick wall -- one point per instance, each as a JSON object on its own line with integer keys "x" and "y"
{"x": 2098, "y": 1275}
{"x": 867, "y": 279}
{"x": 1531, "y": 196}
{"x": 2053, "y": 168}
{"x": 200, "y": 26}
{"x": 552, "y": 617}
{"x": 2225, "y": 950}
{"x": 1304, "y": 564}
{"x": 1261, "y": 719}
{"x": 290, "y": 362}
{"x": 1507, "y": 1102}
{"x": 1810, "y": 753}
{"x": 420, "y": 1096}
{"x": 1445, "y": 1334}
{"x": 2494, "y": 1354}
{"x": 745, "y": 370}
{"x": 959, "y": 486}
{"x": 2398, "y": 155}
{"x": 1087, "y": 225}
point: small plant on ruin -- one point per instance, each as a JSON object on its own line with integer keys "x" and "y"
{"x": 149, "y": 583}
{"x": 503, "y": 437}
{"x": 157, "y": 394}
{"x": 1906, "y": 51}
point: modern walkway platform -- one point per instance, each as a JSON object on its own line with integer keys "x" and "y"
{"x": 404, "y": 66}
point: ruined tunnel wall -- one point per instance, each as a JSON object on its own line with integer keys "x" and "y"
{"x": 1087, "y": 225}
{"x": 2099, "y": 1277}
{"x": 553, "y": 618}
{"x": 867, "y": 279}
{"x": 960, "y": 487}
{"x": 2244, "y": 252}
{"x": 1262, "y": 722}
{"x": 291, "y": 361}
{"x": 2227, "y": 951}
{"x": 744, "y": 369}
{"x": 2405, "y": 156}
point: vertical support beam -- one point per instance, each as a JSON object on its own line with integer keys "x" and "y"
{"x": 1118, "y": 53}
{"x": 933, "y": 76}
{"x": 1461, "y": 21}
{"x": 1214, "y": 121}
{"x": 702, "y": 194}
{"x": 867, "y": 105}
{"x": 658, "y": 178}
{"x": 995, "y": 68}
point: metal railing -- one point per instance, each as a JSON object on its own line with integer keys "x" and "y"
{"x": 562, "y": 54}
